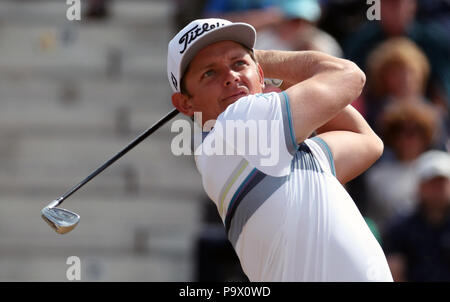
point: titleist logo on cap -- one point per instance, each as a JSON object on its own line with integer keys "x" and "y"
{"x": 196, "y": 32}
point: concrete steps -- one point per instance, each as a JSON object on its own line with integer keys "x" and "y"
{"x": 72, "y": 95}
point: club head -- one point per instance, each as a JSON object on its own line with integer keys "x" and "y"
{"x": 61, "y": 220}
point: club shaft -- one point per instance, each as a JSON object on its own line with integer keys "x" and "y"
{"x": 130, "y": 146}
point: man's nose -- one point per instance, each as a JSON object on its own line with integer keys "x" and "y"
{"x": 231, "y": 77}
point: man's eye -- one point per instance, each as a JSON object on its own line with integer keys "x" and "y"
{"x": 208, "y": 73}
{"x": 240, "y": 63}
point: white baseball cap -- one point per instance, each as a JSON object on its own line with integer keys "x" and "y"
{"x": 432, "y": 164}
{"x": 199, "y": 34}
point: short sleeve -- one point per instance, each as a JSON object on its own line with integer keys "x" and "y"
{"x": 259, "y": 128}
{"x": 322, "y": 151}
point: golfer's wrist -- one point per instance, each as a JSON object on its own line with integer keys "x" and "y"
{"x": 287, "y": 66}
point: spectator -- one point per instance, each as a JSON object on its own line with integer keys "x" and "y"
{"x": 98, "y": 9}
{"x": 417, "y": 246}
{"x": 398, "y": 19}
{"x": 437, "y": 11}
{"x": 259, "y": 13}
{"x": 297, "y": 29}
{"x": 397, "y": 73}
{"x": 282, "y": 25}
{"x": 342, "y": 18}
{"x": 407, "y": 130}
{"x": 396, "y": 69}
{"x": 219, "y": 7}
{"x": 185, "y": 11}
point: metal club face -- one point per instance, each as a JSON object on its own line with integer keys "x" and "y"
{"x": 61, "y": 220}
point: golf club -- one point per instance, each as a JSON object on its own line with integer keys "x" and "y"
{"x": 62, "y": 220}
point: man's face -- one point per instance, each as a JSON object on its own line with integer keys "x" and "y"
{"x": 403, "y": 81}
{"x": 396, "y": 15}
{"x": 218, "y": 76}
{"x": 435, "y": 193}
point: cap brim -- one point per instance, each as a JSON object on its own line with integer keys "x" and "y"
{"x": 433, "y": 173}
{"x": 238, "y": 32}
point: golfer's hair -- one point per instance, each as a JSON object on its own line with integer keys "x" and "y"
{"x": 183, "y": 88}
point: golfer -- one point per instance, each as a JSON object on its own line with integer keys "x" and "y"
{"x": 289, "y": 219}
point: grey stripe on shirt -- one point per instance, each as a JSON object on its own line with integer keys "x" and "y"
{"x": 303, "y": 160}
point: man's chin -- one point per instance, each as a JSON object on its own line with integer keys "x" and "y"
{"x": 231, "y": 100}
{"x": 227, "y": 104}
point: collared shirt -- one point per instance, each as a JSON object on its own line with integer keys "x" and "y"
{"x": 285, "y": 213}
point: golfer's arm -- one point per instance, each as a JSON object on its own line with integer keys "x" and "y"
{"x": 353, "y": 144}
{"x": 318, "y": 85}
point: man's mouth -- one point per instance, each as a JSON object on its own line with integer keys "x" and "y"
{"x": 234, "y": 97}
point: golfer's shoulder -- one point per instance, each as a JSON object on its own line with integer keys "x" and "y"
{"x": 253, "y": 107}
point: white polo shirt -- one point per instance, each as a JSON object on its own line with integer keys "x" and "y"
{"x": 285, "y": 213}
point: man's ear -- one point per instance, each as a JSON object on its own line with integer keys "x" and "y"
{"x": 182, "y": 103}
{"x": 261, "y": 76}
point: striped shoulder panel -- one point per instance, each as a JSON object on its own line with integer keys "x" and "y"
{"x": 253, "y": 192}
{"x": 326, "y": 150}
{"x": 257, "y": 188}
{"x": 304, "y": 159}
{"x": 241, "y": 170}
{"x": 288, "y": 124}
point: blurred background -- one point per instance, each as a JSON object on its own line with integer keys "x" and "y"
{"x": 74, "y": 93}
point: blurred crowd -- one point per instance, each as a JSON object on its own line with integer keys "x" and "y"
{"x": 405, "y": 196}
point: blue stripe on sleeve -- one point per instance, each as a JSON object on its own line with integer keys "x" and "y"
{"x": 327, "y": 152}
{"x": 291, "y": 125}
